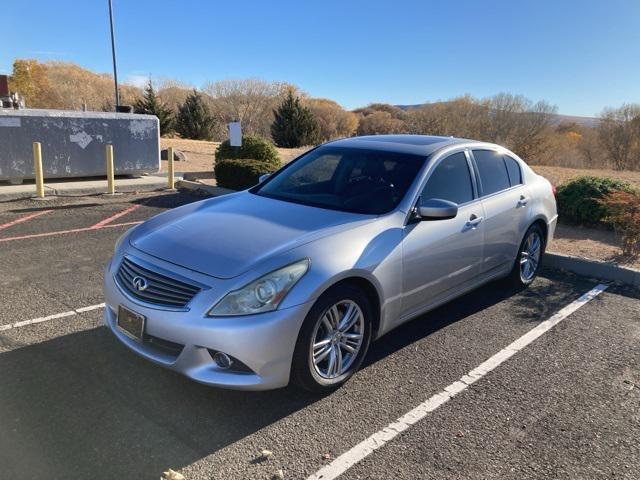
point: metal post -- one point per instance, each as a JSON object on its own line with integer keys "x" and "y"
{"x": 170, "y": 181}
{"x": 111, "y": 184}
{"x": 113, "y": 53}
{"x": 37, "y": 167}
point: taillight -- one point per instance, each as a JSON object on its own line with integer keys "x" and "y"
{"x": 554, "y": 190}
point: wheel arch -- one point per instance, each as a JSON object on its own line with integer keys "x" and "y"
{"x": 541, "y": 222}
{"x": 370, "y": 290}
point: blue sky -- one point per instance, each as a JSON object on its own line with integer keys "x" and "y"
{"x": 578, "y": 55}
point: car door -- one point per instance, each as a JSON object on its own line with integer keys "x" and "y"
{"x": 505, "y": 200}
{"x": 441, "y": 255}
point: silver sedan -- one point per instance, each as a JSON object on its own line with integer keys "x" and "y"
{"x": 291, "y": 280}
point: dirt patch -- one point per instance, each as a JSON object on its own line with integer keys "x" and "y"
{"x": 559, "y": 175}
{"x": 201, "y": 155}
{"x": 590, "y": 243}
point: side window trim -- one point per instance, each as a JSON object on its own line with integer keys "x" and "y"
{"x": 475, "y": 179}
{"x": 476, "y": 173}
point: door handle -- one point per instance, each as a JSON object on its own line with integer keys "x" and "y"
{"x": 523, "y": 201}
{"x": 474, "y": 221}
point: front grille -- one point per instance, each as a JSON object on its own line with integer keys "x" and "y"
{"x": 160, "y": 289}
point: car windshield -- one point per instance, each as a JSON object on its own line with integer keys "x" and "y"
{"x": 348, "y": 179}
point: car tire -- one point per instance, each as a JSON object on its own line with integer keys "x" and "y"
{"x": 321, "y": 377}
{"x": 527, "y": 263}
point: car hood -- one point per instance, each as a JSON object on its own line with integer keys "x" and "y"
{"x": 226, "y": 236}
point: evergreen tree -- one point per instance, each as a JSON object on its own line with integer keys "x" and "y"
{"x": 150, "y": 104}
{"x": 194, "y": 118}
{"x": 294, "y": 124}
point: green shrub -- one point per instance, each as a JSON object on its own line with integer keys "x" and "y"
{"x": 254, "y": 148}
{"x": 240, "y": 174}
{"x": 579, "y": 200}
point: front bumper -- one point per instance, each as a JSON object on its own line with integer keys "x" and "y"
{"x": 184, "y": 340}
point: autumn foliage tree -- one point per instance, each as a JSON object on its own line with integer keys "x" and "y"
{"x": 333, "y": 120}
{"x": 65, "y": 85}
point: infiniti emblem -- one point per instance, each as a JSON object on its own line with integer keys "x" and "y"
{"x": 139, "y": 283}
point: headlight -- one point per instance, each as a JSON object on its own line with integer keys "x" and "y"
{"x": 263, "y": 294}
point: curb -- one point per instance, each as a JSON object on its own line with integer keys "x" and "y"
{"x": 593, "y": 268}
{"x": 82, "y": 188}
{"x": 197, "y": 187}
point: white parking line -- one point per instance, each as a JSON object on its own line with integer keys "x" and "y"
{"x": 55, "y": 316}
{"x": 365, "y": 448}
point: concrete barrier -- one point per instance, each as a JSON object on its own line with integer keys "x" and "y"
{"x": 593, "y": 268}
{"x": 73, "y": 143}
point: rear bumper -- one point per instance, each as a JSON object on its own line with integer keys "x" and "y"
{"x": 184, "y": 341}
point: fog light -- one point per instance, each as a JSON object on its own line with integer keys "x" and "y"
{"x": 222, "y": 360}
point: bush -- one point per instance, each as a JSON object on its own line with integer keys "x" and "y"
{"x": 579, "y": 200}
{"x": 624, "y": 214}
{"x": 254, "y": 148}
{"x": 240, "y": 174}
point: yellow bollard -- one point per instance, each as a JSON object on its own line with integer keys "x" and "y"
{"x": 37, "y": 168}
{"x": 111, "y": 184}
{"x": 170, "y": 181}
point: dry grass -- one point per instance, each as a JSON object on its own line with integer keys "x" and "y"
{"x": 558, "y": 175}
{"x": 201, "y": 155}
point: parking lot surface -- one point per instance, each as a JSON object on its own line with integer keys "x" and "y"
{"x": 75, "y": 403}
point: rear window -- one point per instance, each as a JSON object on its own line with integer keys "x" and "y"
{"x": 492, "y": 171}
{"x": 515, "y": 175}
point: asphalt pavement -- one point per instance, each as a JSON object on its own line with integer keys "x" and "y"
{"x": 75, "y": 403}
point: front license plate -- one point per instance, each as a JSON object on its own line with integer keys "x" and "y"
{"x": 131, "y": 323}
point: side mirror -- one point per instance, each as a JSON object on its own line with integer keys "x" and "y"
{"x": 263, "y": 177}
{"x": 437, "y": 209}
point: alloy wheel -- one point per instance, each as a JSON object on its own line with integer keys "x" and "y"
{"x": 530, "y": 256}
{"x": 337, "y": 339}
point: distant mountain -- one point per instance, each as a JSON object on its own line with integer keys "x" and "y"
{"x": 557, "y": 120}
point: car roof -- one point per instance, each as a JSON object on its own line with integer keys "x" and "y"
{"x": 412, "y": 144}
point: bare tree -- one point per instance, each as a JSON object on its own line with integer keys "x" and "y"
{"x": 173, "y": 92}
{"x": 460, "y": 117}
{"x": 510, "y": 120}
{"x": 619, "y": 133}
{"x": 251, "y": 101}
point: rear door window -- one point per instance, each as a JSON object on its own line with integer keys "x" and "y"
{"x": 515, "y": 175}
{"x": 492, "y": 171}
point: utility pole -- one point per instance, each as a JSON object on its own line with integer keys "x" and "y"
{"x": 113, "y": 52}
